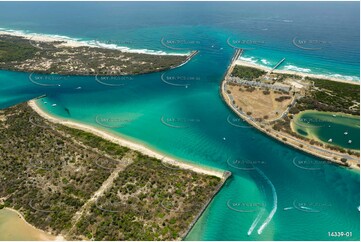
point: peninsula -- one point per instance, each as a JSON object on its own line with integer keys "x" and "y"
{"x": 300, "y": 110}
{"x": 79, "y": 184}
{"x": 51, "y": 55}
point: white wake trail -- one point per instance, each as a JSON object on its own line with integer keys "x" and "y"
{"x": 274, "y": 209}
{"x": 255, "y": 222}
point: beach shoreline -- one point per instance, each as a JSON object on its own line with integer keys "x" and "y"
{"x": 74, "y": 43}
{"x": 282, "y": 137}
{"x": 279, "y": 137}
{"x": 126, "y": 143}
{"x": 46, "y": 236}
{"x": 289, "y": 72}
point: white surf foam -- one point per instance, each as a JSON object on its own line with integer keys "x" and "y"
{"x": 249, "y": 59}
{"x": 264, "y": 61}
{"x": 82, "y": 42}
{"x": 296, "y": 68}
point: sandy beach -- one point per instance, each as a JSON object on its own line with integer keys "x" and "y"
{"x": 43, "y": 235}
{"x": 283, "y": 137}
{"x": 45, "y": 38}
{"x": 123, "y": 142}
{"x": 73, "y": 43}
{"x": 302, "y": 74}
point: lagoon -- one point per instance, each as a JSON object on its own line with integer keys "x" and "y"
{"x": 323, "y": 126}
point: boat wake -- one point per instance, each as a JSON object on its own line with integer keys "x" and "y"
{"x": 255, "y": 222}
{"x": 274, "y": 209}
{"x": 260, "y": 214}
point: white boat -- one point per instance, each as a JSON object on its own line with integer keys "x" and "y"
{"x": 285, "y": 209}
{"x": 78, "y": 88}
{"x": 350, "y": 141}
{"x": 333, "y": 115}
{"x": 330, "y": 140}
{"x": 53, "y": 105}
{"x": 346, "y": 133}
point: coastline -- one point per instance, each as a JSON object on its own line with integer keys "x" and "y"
{"x": 283, "y": 138}
{"x": 199, "y": 215}
{"x": 314, "y": 136}
{"x": 126, "y": 143}
{"x": 301, "y": 74}
{"x": 74, "y": 43}
{"x": 277, "y": 136}
{"x": 47, "y": 235}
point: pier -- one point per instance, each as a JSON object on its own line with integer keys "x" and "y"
{"x": 189, "y": 57}
{"x": 277, "y": 65}
{"x": 235, "y": 57}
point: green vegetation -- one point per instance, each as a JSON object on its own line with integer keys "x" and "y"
{"x": 15, "y": 51}
{"x": 148, "y": 201}
{"x": 49, "y": 172}
{"x": 248, "y": 73}
{"x": 331, "y": 96}
{"x": 20, "y": 54}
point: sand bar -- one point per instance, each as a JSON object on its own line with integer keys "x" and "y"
{"x": 126, "y": 143}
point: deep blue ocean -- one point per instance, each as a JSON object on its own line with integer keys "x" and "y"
{"x": 276, "y": 201}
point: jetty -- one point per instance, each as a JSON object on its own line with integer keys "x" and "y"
{"x": 231, "y": 65}
{"x": 40, "y": 97}
{"x": 189, "y": 57}
{"x": 277, "y": 65}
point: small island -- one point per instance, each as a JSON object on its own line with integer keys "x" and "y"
{"x": 312, "y": 113}
{"x": 51, "y": 55}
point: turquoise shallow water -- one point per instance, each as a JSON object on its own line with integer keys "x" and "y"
{"x": 189, "y": 120}
{"x": 326, "y": 126}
